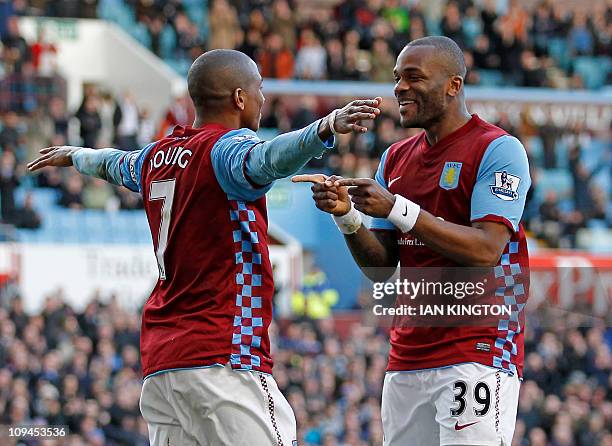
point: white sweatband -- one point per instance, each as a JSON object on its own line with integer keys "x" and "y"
{"x": 331, "y": 120}
{"x": 404, "y": 213}
{"x": 350, "y": 222}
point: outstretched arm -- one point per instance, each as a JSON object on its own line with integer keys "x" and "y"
{"x": 288, "y": 153}
{"x": 107, "y": 164}
{"x": 246, "y": 166}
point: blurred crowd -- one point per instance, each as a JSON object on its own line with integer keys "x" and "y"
{"x": 81, "y": 368}
{"x": 512, "y": 42}
{"x": 558, "y": 44}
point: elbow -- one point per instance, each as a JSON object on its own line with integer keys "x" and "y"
{"x": 379, "y": 273}
{"x": 487, "y": 257}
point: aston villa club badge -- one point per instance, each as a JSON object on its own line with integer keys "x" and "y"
{"x": 450, "y": 175}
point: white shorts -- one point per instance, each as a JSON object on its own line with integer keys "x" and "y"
{"x": 216, "y": 406}
{"x": 466, "y": 404}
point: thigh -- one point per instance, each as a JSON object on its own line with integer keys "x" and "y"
{"x": 475, "y": 405}
{"x": 280, "y": 412}
{"x": 221, "y": 406}
{"x": 162, "y": 422}
{"x": 408, "y": 415}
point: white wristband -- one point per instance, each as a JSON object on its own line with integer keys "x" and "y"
{"x": 331, "y": 120}
{"x": 404, "y": 213}
{"x": 350, "y": 222}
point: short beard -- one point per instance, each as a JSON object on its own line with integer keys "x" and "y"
{"x": 435, "y": 113}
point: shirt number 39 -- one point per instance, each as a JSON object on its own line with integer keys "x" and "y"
{"x": 482, "y": 398}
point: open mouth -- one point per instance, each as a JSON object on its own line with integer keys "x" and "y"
{"x": 406, "y": 104}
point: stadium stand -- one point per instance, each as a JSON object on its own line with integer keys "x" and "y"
{"x": 81, "y": 368}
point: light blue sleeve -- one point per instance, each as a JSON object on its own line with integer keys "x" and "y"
{"x": 246, "y": 166}
{"x": 502, "y": 183}
{"x": 115, "y": 166}
{"x": 381, "y": 223}
{"x": 131, "y": 168}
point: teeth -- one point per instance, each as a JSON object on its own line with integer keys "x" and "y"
{"x": 406, "y": 102}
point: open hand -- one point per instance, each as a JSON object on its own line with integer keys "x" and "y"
{"x": 348, "y": 118}
{"x": 59, "y": 156}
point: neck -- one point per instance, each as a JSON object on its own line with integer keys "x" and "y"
{"x": 229, "y": 120}
{"x": 447, "y": 125}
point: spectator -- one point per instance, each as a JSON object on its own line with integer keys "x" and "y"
{"x": 146, "y": 130}
{"x": 9, "y": 180}
{"x": 59, "y": 116}
{"x": 90, "y": 121}
{"x": 188, "y": 39}
{"x": 250, "y": 43}
{"x": 71, "y": 193}
{"x": 126, "y": 122}
{"x": 306, "y": 112}
{"x": 283, "y": 23}
{"x": 26, "y": 217}
{"x": 382, "y": 62}
{"x": 311, "y": 58}
{"x": 580, "y": 36}
{"x": 43, "y": 56}
{"x": 451, "y": 24}
{"x": 224, "y": 25}
{"x": 484, "y": 57}
{"x": 335, "y": 59}
{"x": 110, "y": 117}
{"x": 532, "y": 74}
{"x": 97, "y": 194}
{"x": 582, "y": 180}
{"x": 15, "y": 44}
{"x": 162, "y": 36}
{"x": 275, "y": 60}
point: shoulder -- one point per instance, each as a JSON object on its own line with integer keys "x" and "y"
{"x": 238, "y": 136}
{"x": 504, "y": 146}
{"x": 488, "y": 132}
{"x": 504, "y": 152}
{"x": 233, "y": 142}
{"x": 404, "y": 147}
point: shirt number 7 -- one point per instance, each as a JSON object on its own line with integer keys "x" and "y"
{"x": 163, "y": 190}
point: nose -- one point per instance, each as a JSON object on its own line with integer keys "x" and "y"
{"x": 400, "y": 87}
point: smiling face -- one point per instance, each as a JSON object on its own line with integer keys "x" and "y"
{"x": 422, "y": 86}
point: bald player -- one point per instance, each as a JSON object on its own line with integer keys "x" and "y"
{"x": 451, "y": 196}
{"x": 204, "y": 342}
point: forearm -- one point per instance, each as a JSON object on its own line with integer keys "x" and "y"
{"x": 100, "y": 163}
{"x": 286, "y": 154}
{"x": 371, "y": 254}
{"x": 466, "y": 245}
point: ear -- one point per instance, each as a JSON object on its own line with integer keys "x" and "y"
{"x": 239, "y": 98}
{"x": 454, "y": 86}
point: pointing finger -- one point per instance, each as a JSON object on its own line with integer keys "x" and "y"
{"x": 313, "y": 178}
{"x": 353, "y": 182}
{"x": 330, "y": 181}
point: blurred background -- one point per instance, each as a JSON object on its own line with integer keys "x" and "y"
{"x": 76, "y": 262}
